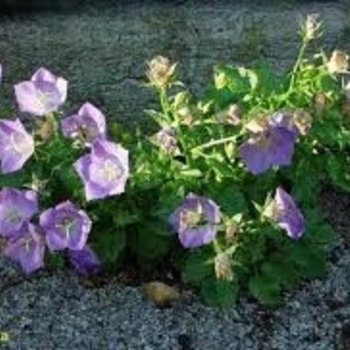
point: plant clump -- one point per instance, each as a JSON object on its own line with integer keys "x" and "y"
{"x": 226, "y": 191}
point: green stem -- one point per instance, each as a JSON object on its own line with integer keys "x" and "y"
{"x": 164, "y": 103}
{"x": 214, "y": 143}
{"x": 297, "y": 64}
{"x": 216, "y": 246}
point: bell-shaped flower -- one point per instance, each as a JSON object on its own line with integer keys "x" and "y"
{"x": 104, "y": 171}
{"x": 16, "y": 145}
{"x": 65, "y": 226}
{"x": 85, "y": 261}
{"x": 28, "y": 248}
{"x": 285, "y": 213}
{"x": 16, "y": 207}
{"x": 44, "y": 93}
{"x": 195, "y": 221}
{"x": 267, "y": 147}
{"x": 88, "y": 125}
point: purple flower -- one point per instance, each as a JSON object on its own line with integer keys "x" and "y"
{"x": 28, "y": 248}
{"x": 286, "y": 214}
{"x": 104, "y": 171}
{"x": 65, "y": 226}
{"x": 16, "y": 207}
{"x": 166, "y": 139}
{"x": 85, "y": 261}
{"x": 272, "y": 146}
{"x": 43, "y": 94}
{"x": 88, "y": 125}
{"x": 16, "y": 145}
{"x": 195, "y": 221}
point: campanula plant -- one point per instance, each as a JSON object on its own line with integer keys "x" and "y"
{"x": 224, "y": 192}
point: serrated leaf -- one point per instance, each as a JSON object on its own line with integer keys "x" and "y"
{"x": 198, "y": 266}
{"x": 229, "y": 197}
{"x": 151, "y": 242}
{"x": 219, "y": 292}
{"x": 55, "y": 260}
{"x": 310, "y": 262}
{"x": 109, "y": 245}
{"x": 281, "y": 272}
{"x": 265, "y": 289}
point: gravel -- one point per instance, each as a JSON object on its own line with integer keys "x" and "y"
{"x": 58, "y": 311}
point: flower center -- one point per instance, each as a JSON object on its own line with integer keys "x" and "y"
{"x": 192, "y": 218}
{"x": 65, "y": 225}
{"x": 110, "y": 171}
{"x": 26, "y": 242}
{"x": 88, "y": 132}
{"x": 13, "y": 216}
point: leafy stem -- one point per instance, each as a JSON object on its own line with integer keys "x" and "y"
{"x": 297, "y": 64}
{"x": 213, "y": 143}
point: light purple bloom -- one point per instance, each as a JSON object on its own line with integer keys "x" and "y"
{"x": 16, "y": 207}
{"x": 286, "y": 214}
{"x": 28, "y": 248}
{"x": 65, "y": 226}
{"x": 88, "y": 125}
{"x": 16, "y": 145}
{"x": 85, "y": 261}
{"x": 273, "y": 146}
{"x": 43, "y": 94}
{"x": 195, "y": 221}
{"x": 0, "y": 73}
{"x": 166, "y": 140}
{"x": 104, "y": 171}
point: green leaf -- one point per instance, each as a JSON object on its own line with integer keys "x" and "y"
{"x": 151, "y": 242}
{"x": 109, "y": 245}
{"x": 235, "y": 78}
{"x": 54, "y": 260}
{"x": 266, "y": 289}
{"x": 229, "y": 197}
{"x": 339, "y": 170}
{"x": 219, "y": 292}
{"x": 280, "y": 271}
{"x": 198, "y": 265}
{"x": 191, "y": 173}
{"x": 309, "y": 261}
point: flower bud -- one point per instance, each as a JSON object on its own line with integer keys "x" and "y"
{"x": 338, "y": 63}
{"x": 320, "y": 101}
{"x": 231, "y": 231}
{"x": 166, "y": 140}
{"x": 311, "y": 27}
{"x": 223, "y": 267}
{"x": 232, "y": 115}
{"x": 185, "y": 115}
{"x": 160, "y": 71}
{"x": 302, "y": 121}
